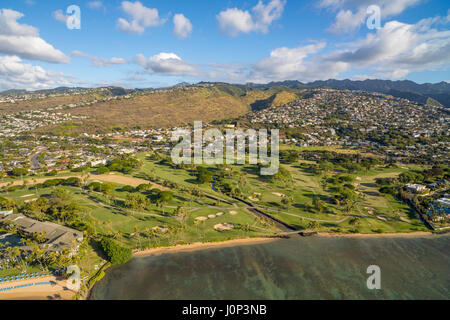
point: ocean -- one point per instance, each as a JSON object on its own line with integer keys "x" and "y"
{"x": 293, "y": 269}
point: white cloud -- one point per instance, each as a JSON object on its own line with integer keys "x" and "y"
{"x": 295, "y": 64}
{"x": 10, "y": 26}
{"x": 60, "y": 16}
{"x": 141, "y": 17}
{"x": 23, "y": 40}
{"x": 182, "y": 26}
{"x": 300, "y": 63}
{"x": 234, "y": 21}
{"x": 393, "y": 52}
{"x": 398, "y": 49}
{"x": 351, "y": 14}
{"x": 100, "y": 62}
{"x": 14, "y": 74}
{"x": 95, "y": 5}
{"x": 166, "y": 64}
{"x": 285, "y": 63}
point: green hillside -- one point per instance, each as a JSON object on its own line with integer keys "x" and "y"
{"x": 177, "y": 107}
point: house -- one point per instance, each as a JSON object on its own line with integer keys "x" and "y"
{"x": 98, "y": 162}
{"x": 415, "y": 188}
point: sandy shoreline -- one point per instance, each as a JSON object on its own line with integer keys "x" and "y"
{"x": 374, "y": 235}
{"x": 56, "y": 291}
{"x": 238, "y": 242}
{"x": 200, "y": 246}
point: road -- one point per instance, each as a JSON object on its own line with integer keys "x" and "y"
{"x": 34, "y": 159}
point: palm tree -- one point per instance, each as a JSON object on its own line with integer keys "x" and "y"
{"x": 355, "y": 222}
{"x": 245, "y": 228}
{"x": 314, "y": 225}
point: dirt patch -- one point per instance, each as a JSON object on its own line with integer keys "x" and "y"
{"x": 125, "y": 180}
{"x": 113, "y": 178}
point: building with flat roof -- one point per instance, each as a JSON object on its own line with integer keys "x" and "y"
{"x": 57, "y": 237}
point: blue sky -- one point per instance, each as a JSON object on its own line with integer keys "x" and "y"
{"x": 160, "y": 43}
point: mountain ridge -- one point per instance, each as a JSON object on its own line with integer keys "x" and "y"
{"x": 426, "y": 93}
{"x": 408, "y": 89}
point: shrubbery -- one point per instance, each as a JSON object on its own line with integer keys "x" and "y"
{"x": 124, "y": 164}
{"x": 115, "y": 252}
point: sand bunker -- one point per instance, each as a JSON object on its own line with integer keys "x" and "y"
{"x": 27, "y": 195}
{"x": 223, "y": 227}
{"x": 382, "y": 218}
{"x": 279, "y": 194}
{"x": 253, "y": 199}
{"x": 201, "y": 218}
{"x": 233, "y": 213}
{"x": 405, "y": 220}
{"x": 31, "y": 200}
{"x": 211, "y": 216}
{"x": 219, "y": 214}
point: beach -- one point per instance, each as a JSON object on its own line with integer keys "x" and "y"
{"x": 375, "y": 235}
{"x": 55, "y": 291}
{"x": 201, "y": 246}
{"x": 239, "y": 242}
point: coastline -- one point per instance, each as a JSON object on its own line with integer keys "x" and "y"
{"x": 198, "y": 246}
{"x": 375, "y": 235}
{"x": 201, "y": 246}
{"x": 249, "y": 241}
{"x": 58, "y": 291}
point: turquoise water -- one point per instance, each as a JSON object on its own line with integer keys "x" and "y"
{"x": 297, "y": 268}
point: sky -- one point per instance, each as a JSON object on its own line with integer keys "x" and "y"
{"x": 141, "y": 44}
